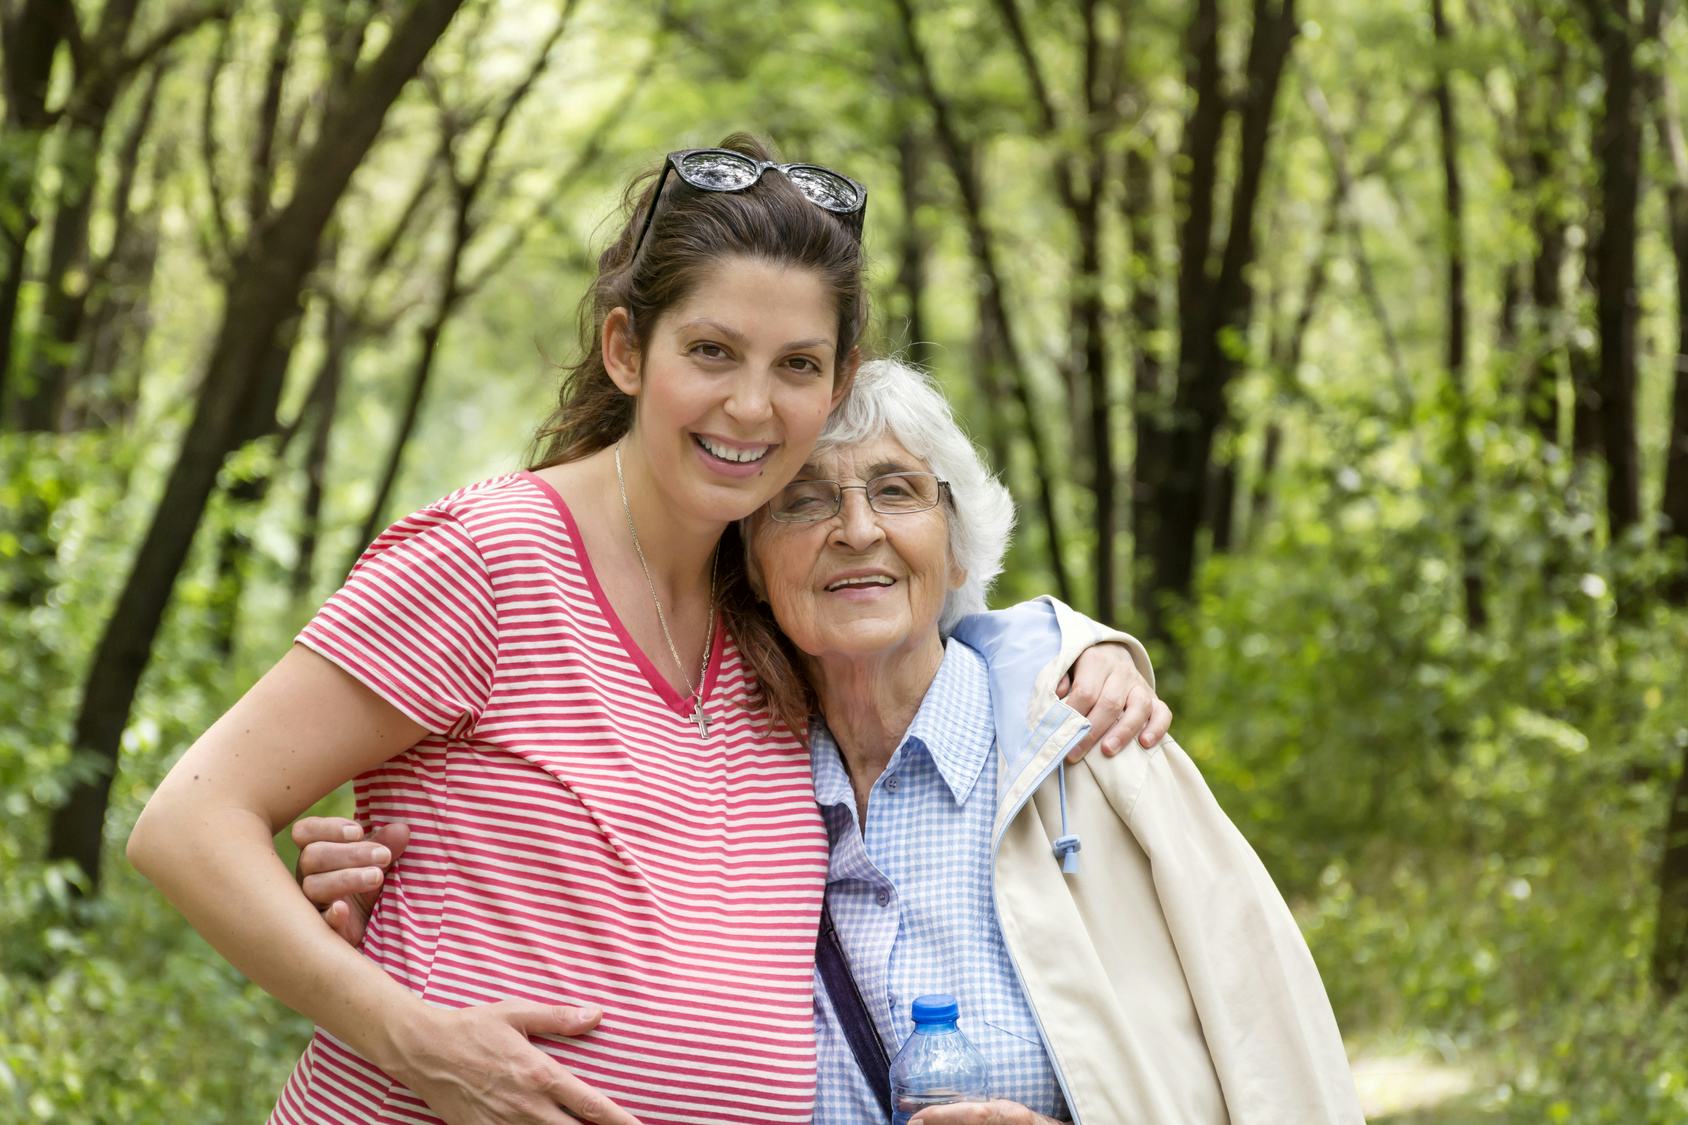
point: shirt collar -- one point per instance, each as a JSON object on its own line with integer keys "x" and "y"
{"x": 953, "y": 726}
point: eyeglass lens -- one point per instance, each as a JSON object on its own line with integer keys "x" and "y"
{"x": 717, "y": 170}
{"x": 720, "y": 171}
{"x": 891, "y": 494}
{"x": 826, "y": 189}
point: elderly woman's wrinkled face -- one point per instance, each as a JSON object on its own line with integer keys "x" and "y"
{"x": 860, "y": 584}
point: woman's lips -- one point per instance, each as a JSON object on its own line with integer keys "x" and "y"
{"x": 728, "y": 468}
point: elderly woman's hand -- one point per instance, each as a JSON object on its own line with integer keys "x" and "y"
{"x": 342, "y": 872}
{"x": 981, "y": 1113}
{"x": 1107, "y": 689}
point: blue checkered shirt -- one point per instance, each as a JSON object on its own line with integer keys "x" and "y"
{"x": 912, "y": 900}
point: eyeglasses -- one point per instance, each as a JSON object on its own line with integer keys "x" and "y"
{"x": 893, "y": 494}
{"x": 722, "y": 169}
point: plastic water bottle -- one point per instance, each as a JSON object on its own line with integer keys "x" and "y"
{"x": 937, "y": 1066}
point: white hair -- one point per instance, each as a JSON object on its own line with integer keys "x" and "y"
{"x": 894, "y": 398}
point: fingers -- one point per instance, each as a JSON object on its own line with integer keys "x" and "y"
{"x": 325, "y": 829}
{"x": 331, "y": 886}
{"x": 394, "y": 836}
{"x": 568, "y": 1091}
{"x": 1160, "y": 721}
{"x": 1085, "y": 681}
{"x": 550, "y": 1019}
{"x": 345, "y": 921}
{"x": 978, "y": 1113}
{"x": 1110, "y": 698}
{"x": 585, "y": 1103}
{"x": 322, "y": 858}
{"x": 1132, "y": 720}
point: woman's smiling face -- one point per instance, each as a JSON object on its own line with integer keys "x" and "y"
{"x": 859, "y": 584}
{"x": 733, "y": 386}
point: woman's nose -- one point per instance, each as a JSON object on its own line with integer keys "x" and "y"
{"x": 857, "y": 523}
{"x": 750, "y": 401}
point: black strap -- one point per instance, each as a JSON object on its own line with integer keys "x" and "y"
{"x": 847, "y": 1001}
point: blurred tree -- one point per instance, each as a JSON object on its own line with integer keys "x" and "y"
{"x": 1458, "y": 391}
{"x": 1004, "y": 361}
{"x": 237, "y": 396}
{"x": 1673, "y": 508}
{"x": 1215, "y": 294}
{"x": 1620, "y": 32}
{"x": 102, "y": 64}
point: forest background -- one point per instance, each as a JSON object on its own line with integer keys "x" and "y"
{"x": 1335, "y": 345}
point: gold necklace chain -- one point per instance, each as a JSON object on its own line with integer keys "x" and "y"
{"x": 699, "y": 715}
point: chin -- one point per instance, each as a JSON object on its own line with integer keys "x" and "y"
{"x": 867, "y": 642}
{"x": 727, "y": 504}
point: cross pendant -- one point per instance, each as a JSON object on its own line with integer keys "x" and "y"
{"x": 701, "y": 719}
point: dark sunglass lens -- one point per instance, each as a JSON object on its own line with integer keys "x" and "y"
{"x": 719, "y": 171}
{"x": 826, "y": 189}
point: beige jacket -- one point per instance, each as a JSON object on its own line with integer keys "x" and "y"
{"x": 1169, "y": 978}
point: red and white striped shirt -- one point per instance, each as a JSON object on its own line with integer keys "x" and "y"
{"x": 574, "y": 839}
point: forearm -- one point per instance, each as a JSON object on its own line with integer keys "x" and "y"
{"x": 217, "y": 864}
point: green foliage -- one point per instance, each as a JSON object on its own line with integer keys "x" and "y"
{"x": 1470, "y": 822}
{"x": 1467, "y": 822}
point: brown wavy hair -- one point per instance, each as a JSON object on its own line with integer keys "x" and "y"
{"x": 693, "y": 230}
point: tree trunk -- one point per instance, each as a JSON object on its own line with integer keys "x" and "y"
{"x": 416, "y": 389}
{"x": 466, "y": 188}
{"x": 1618, "y": 150}
{"x": 88, "y": 113}
{"x": 1148, "y": 394}
{"x": 1670, "y": 936}
{"x": 30, "y": 37}
{"x": 1674, "y": 507}
{"x": 1468, "y": 526}
{"x": 1290, "y": 346}
{"x": 261, "y": 295}
{"x": 1214, "y": 310}
{"x": 1547, "y": 290}
{"x": 1091, "y": 353}
{"x": 992, "y": 305}
{"x": 1221, "y": 501}
{"x": 117, "y": 299}
{"x": 911, "y": 259}
{"x": 324, "y": 401}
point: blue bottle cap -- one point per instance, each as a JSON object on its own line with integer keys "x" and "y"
{"x": 936, "y": 1008}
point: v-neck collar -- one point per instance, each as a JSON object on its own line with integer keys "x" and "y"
{"x": 673, "y": 697}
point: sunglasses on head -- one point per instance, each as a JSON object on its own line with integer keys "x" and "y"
{"x": 722, "y": 169}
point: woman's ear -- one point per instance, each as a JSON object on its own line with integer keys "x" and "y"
{"x": 621, "y": 350}
{"x": 958, "y": 574}
{"x": 846, "y": 376}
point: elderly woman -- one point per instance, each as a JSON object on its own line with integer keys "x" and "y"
{"x": 1166, "y": 981}
{"x": 1163, "y": 982}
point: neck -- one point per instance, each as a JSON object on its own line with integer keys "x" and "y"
{"x": 678, "y": 548}
{"x": 868, "y": 704}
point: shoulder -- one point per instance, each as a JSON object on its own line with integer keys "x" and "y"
{"x": 496, "y": 516}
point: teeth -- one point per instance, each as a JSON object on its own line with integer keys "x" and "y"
{"x": 728, "y": 453}
{"x": 870, "y": 580}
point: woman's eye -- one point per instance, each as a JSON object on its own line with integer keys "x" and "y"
{"x": 709, "y": 351}
{"x": 804, "y": 364}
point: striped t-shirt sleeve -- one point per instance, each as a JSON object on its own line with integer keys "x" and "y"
{"x": 416, "y": 623}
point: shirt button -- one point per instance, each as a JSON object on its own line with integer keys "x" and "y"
{"x": 892, "y": 782}
{"x": 883, "y": 898}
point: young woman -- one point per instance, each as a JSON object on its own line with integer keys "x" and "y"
{"x": 558, "y": 679}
